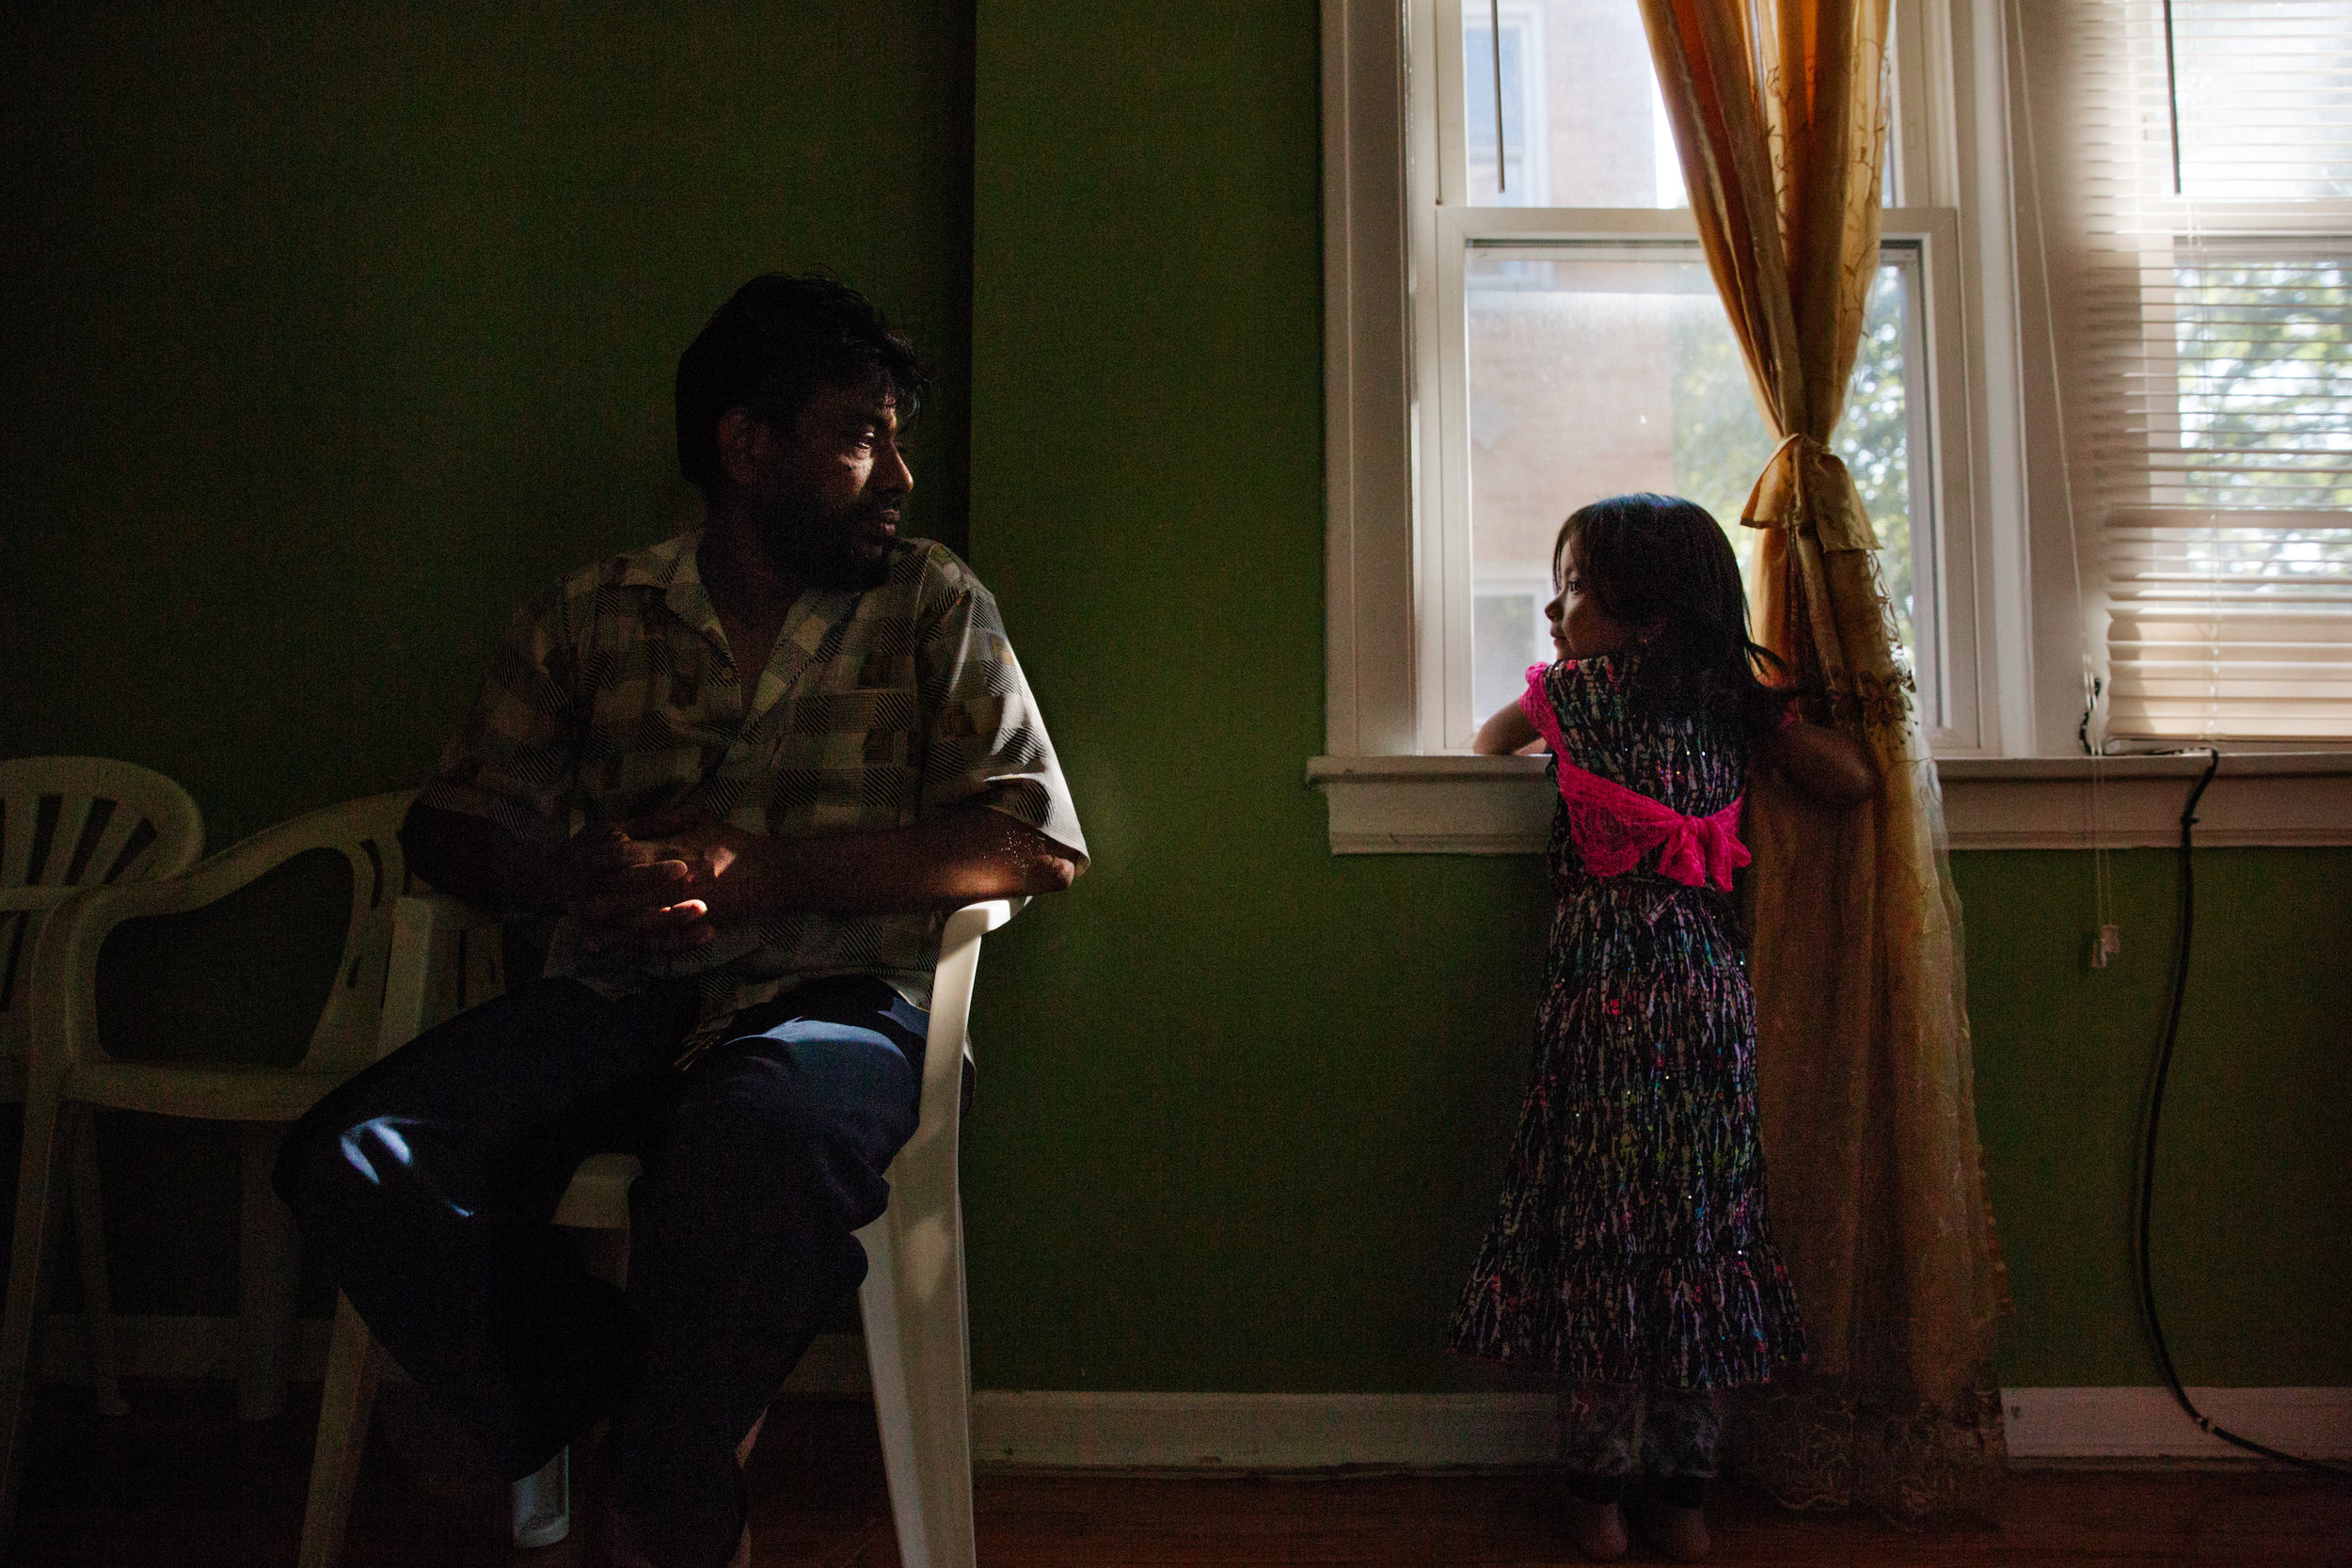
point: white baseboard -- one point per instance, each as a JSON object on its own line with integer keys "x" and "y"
{"x": 1440, "y": 1431}
{"x": 1272, "y": 1431}
{"x": 2145, "y": 1423}
{"x": 1284, "y": 1431}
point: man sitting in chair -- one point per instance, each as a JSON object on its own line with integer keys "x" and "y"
{"x": 750, "y": 768}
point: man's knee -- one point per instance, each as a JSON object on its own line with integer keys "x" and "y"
{"x": 772, "y": 1128}
{"x": 355, "y": 1160}
{"x": 427, "y": 1125}
{"x": 310, "y": 1175}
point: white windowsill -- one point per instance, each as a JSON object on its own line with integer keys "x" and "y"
{"x": 1467, "y": 805}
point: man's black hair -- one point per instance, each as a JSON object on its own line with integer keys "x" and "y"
{"x": 770, "y": 347}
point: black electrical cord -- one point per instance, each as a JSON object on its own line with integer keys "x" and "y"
{"x": 2148, "y": 1148}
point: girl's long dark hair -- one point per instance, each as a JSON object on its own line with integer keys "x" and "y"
{"x": 1662, "y": 564}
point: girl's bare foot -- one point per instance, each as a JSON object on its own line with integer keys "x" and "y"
{"x": 1680, "y": 1533}
{"x": 1598, "y": 1528}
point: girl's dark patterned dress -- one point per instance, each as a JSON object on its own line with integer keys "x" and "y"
{"x": 1630, "y": 1245}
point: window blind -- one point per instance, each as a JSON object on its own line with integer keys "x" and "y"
{"x": 2207, "y": 361}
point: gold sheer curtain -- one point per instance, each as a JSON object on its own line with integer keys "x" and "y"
{"x": 1877, "y": 1187}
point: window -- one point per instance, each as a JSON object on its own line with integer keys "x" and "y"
{"x": 2205, "y": 191}
{"x": 2210, "y": 433}
{"x": 1592, "y": 368}
{"x": 1560, "y": 340}
{"x": 1580, "y": 349}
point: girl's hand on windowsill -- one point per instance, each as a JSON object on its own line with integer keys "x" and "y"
{"x": 1507, "y": 734}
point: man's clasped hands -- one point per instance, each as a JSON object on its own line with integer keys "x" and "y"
{"x": 656, "y": 884}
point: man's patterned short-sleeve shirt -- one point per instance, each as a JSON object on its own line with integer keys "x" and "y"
{"x": 613, "y": 697}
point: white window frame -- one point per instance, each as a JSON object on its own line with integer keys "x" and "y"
{"x": 2018, "y": 780}
{"x": 2014, "y": 610}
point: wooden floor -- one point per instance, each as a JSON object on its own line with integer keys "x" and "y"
{"x": 180, "y": 1484}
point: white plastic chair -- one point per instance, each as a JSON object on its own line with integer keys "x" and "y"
{"x": 69, "y": 1067}
{"x": 67, "y": 823}
{"x": 912, "y": 1303}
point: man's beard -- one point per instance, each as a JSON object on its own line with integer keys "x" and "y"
{"x": 846, "y": 549}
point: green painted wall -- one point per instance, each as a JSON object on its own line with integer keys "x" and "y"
{"x": 1246, "y": 1102}
{"x": 2252, "y": 1222}
{"x": 332, "y": 331}
{"x": 335, "y": 331}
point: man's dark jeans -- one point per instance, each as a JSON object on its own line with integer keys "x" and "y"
{"x": 426, "y": 1186}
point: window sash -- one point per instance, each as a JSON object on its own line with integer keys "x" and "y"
{"x": 1919, "y": 242}
{"x": 1449, "y": 217}
{"x": 1385, "y": 189}
{"x": 2211, "y": 388}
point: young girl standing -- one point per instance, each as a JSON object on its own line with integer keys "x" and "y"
{"x": 1630, "y": 1254}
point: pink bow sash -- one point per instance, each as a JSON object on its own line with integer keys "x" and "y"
{"x": 1614, "y": 827}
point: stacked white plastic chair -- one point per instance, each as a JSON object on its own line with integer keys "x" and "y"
{"x": 444, "y": 959}
{"x": 66, "y": 823}
{"x": 69, "y": 1067}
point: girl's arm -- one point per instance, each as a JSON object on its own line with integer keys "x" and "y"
{"x": 1507, "y": 734}
{"x": 1828, "y": 766}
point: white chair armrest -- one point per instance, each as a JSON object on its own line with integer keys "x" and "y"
{"x": 992, "y": 914}
{"x": 217, "y": 875}
{"x": 62, "y": 984}
{"x": 951, "y": 1008}
{"x": 449, "y": 913}
{"x": 435, "y": 970}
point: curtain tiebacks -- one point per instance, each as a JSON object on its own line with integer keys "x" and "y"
{"x": 1805, "y": 488}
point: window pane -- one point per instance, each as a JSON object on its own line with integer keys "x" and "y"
{"x": 1594, "y": 370}
{"x": 1519, "y": 71}
{"x": 1873, "y": 437}
{"x": 2265, "y": 363}
{"x": 1508, "y": 633}
{"x": 1582, "y": 122}
{"x": 2264, "y": 98}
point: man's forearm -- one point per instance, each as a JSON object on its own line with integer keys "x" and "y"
{"x": 669, "y": 882}
{"x": 961, "y": 856}
{"x": 476, "y": 860}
